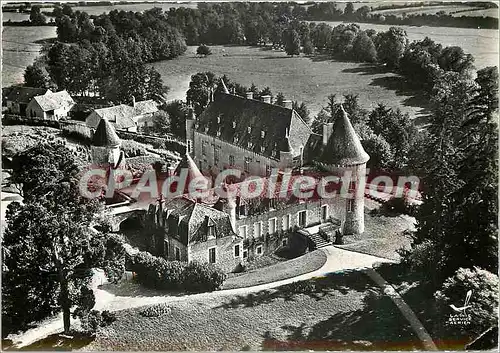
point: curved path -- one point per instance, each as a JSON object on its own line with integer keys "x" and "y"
{"x": 337, "y": 260}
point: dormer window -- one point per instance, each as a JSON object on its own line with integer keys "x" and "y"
{"x": 211, "y": 231}
{"x": 249, "y": 129}
{"x": 218, "y": 132}
{"x": 262, "y": 134}
{"x": 236, "y": 139}
{"x": 218, "y": 119}
{"x": 234, "y": 124}
{"x": 250, "y": 145}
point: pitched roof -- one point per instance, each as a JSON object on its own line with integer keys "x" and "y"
{"x": 145, "y": 107}
{"x": 25, "y": 94}
{"x": 119, "y": 115}
{"x": 51, "y": 101}
{"x": 189, "y": 220}
{"x": 253, "y": 125}
{"x": 344, "y": 146}
{"x": 105, "y": 135}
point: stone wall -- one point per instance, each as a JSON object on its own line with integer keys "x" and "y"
{"x": 169, "y": 253}
{"x": 225, "y": 257}
{"x": 208, "y": 162}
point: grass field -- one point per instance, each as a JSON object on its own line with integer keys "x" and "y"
{"x": 279, "y": 271}
{"x": 421, "y": 10}
{"x": 339, "y": 312}
{"x": 480, "y": 12}
{"x": 20, "y": 49}
{"x": 309, "y": 80}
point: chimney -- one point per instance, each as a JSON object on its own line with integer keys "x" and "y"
{"x": 287, "y": 104}
{"x": 266, "y": 99}
{"x": 133, "y": 101}
{"x": 249, "y": 95}
{"x": 327, "y": 132}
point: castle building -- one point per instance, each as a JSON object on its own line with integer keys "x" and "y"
{"x": 256, "y": 136}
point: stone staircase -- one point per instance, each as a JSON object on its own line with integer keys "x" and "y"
{"x": 318, "y": 241}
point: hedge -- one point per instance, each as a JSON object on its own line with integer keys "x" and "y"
{"x": 156, "y": 272}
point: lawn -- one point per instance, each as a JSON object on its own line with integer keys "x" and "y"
{"x": 279, "y": 271}
{"x": 383, "y": 236}
{"x": 421, "y": 10}
{"x": 308, "y": 80}
{"x": 339, "y": 312}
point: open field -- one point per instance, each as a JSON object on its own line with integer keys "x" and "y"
{"x": 338, "y": 312}
{"x": 480, "y": 12}
{"x": 308, "y": 80}
{"x": 421, "y": 10}
{"x": 20, "y": 50}
{"x": 481, "y": 43}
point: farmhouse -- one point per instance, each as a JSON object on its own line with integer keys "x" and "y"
{"x": 124, "y": 117}
{"x": 19, "y": 98}
{"x": 50, "y": 106}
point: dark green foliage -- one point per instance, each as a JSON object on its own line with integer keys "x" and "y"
{"x": 156, "y": 272}
{"x": 203, "y": 50}
{"x": 483, "y": 301}
{"x": 363, "y": 49}
{"x": 36, "y": 16}
{"x": 36, "y": 76}
{"x": 49, "y": 270}
{"x": 177, "y": 112}
{"x": 302, "y": 110}
{"x": 292, "y": 42}
{"x": 391, "y": 46}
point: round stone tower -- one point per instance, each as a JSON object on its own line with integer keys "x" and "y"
{"x": 106, "y": 146}
{"x": 286, "y": 153}
{"x": 345, "y": 157}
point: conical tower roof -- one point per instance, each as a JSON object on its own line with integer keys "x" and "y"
{"x": 344, "y": 146}
{"x": 105, "y": 135}
{"x": 286, "y": 146}
{"x": 188, "y": 163}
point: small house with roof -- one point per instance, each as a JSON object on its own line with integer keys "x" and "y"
{"x": 19, "y": 97}
{"x": 124, "y": 117}
{"x": 50, "y": 106}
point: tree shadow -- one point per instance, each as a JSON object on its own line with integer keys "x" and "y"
{"x": 131, "y": 288}
{"x": 368, "y": 69}
{"x": 378, "y": 325}
{"x": 316, "y": 288}
{"x": 56, "y": 342}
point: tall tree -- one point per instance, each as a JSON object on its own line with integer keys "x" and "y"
{"x": 292, "y": 42}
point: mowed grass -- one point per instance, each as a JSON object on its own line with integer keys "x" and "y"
{"x": 279, "y": 271}
{"x": 339, "y": 312}
{"x": 20, "y": 50}
{"x": 383, "y": 236}
{"x": 308, "y": 80}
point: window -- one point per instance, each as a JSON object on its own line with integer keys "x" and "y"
{"x": 272, "y": 226}
{"x": 211, "y": 255}
{"x": 268, "y": 170}
{"x": 211, "y": 232}
{"x": 257, "y": 229}
{"x": 249, "y": 129}
{"x": 243, "y": 232}
{"x": 258, "y": 250}
{"x": 237, "y": 250}
{"x": 216, "y": 154}
{"x": 247, "y": 164}
{"x": 262, "y": 134}
{"x": 324, "y": 213}
{"x": 204, "y": 148}
{"x": 284, "y": 242}
{"x": 350, "y": 205}
{"x": 165, "y": 248}
{"x": 286, "y": 222}
{"x": 250, "y": 145}
{"x": 302, "y": 218}
{"x": 190, "y": 146}
{"x": 231, "y": 160}
{"x": 177, "y": 254}
{"x": 245, "y": 254}
{"x": 234, "y": 124}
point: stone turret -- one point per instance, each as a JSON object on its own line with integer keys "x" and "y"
{"x": 106, "y": 144}
{"x": 344, "y": 155}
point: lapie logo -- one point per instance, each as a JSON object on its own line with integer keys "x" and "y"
{"x": 460, "y": 316}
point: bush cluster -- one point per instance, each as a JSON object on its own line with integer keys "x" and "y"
{"x": 156, "y": 272}
{"x": 156, "y": 310}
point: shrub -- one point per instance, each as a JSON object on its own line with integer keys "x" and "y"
{"x": 156, "y": 272}
{"x": 155, "y": 310}
{"x": 483, "y": 302}
{"x": 200, "y": 277}
{"x": 203, "y": 50}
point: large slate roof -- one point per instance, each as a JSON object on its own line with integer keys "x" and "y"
{"x": 344, "y": 146}
{"x": 253, "y": 125}
{"x": 51, "y": 101}
{"x": 105, "y": 135}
